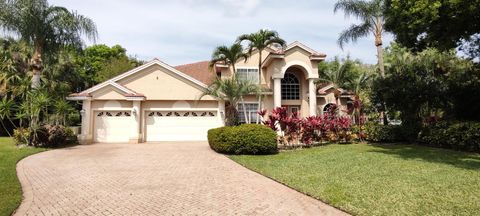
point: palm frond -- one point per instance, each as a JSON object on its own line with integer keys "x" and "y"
{"x": 353, "y": 33}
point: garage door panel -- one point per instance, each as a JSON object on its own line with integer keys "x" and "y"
{"x": 179, "y": 125}
{"x": 113, "y": 126}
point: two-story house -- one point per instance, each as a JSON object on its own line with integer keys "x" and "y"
{"x": 158, "y": 102}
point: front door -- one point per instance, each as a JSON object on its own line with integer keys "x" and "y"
{"x": 293, "y": 109}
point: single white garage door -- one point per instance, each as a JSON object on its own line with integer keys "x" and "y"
{"x": 179, "y": 125}
{"x": 113, "y": 126}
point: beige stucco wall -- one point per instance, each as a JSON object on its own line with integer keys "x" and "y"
{"x": 108, "y": 93}
{"x": 158, "y": 83}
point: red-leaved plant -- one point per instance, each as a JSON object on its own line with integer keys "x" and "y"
{"x": 294, "y": 130}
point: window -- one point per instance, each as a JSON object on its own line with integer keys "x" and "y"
{"x": 252, "y": 109}
{"x": 248, "y": 74}
{"x": 290, "y": 87}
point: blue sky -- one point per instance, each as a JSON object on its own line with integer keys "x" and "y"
{"x": 185, "y": 31}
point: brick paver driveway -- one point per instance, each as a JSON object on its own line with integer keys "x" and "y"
{"x": 171, "y": 178}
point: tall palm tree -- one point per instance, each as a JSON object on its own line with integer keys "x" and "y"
{"x": 47, "y": 28}
{"x": 231, "y": 91}
{"x": 370, "y": 13}
{"x": 228, "y": 56}
{"x": 259, "y": 41}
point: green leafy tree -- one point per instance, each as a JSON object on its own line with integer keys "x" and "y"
{"x": 100, "y": 62}
{"x": 370, "y": 13}
{"x": 418, "y": 24}
{"x": 417, "y": 85}
{"x": 46, "y": 28}
{"x": 340, "y": 72}
{"x": 259, "y": 41}
{"x": 114, "y": 67}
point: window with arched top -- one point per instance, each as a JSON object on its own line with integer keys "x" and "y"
{"x": 290, "y": 87}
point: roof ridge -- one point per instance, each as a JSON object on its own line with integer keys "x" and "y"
{"x": 191, "y": 63}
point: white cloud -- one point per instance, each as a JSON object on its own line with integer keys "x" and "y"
{"x": 188, "y": 30}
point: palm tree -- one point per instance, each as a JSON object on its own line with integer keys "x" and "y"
{"x": 259, "y": 41}
{"x": 336, "y": 72}
{"x": 231, "y": 91}
{"x": 47, "y": 28}
{"x": 370, "y": 13}
{"x": 228, "y": 56}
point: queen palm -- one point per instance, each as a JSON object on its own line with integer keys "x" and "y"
{"x": 228, "y": 56}
{"x": 259, "y": 41}
{"x": 370, "y": 13}
{"x": 46, "y": 28}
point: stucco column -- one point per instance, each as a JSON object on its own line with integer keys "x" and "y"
{"x": 277, "y": 92}
{"x": 136, "y": 136}
{"x": 312, "y": 97}
{"x": 86, "y": 133}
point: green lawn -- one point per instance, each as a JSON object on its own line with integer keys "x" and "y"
{"x": 10, "y": 189}
{"x": 367, "y": 179}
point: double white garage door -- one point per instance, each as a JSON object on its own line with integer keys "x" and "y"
{"x": 119, "y": 126}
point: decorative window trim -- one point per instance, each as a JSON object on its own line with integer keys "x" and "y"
{"x": 290, "y": 85}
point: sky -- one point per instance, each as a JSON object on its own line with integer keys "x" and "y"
{"x": 185, "y": 31}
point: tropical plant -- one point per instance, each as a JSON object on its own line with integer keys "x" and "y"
{"x": 45, "y": 27}
{"x": 370, "y": 13}
{"x": 259, "y": 41}
{"x": 228, "y": 56}
{"x": 339, "y": 72}
{"x": 231, "y": 91}
{"x": 7, "y": 107}
{"x": 62, "y": 108}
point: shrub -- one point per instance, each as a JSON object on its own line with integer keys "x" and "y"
{"x": 459, "y": 136}
{"x": 57, "y": 135}
{"x": 243, "y": 139}
{"x": 21, "y": 135}
{"x": 384, "y": 133}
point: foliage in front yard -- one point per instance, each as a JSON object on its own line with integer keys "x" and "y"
{"x": 459, "y": 136}
{"x": 379, "y": 179}
{"x": 243, "y": 139}
{"x": 10, "y": 189}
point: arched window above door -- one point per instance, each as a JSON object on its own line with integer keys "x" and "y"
{"x": 290, "y": 87}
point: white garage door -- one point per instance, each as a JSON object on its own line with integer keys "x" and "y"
{"x": 179, "y": 125}
{"x": 113, "y": 126}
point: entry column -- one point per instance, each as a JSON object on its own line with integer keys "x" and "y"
{"x": 277, "y": 92}
{"x": 312, "y": 96}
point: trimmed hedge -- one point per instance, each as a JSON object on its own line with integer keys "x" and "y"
{"x": 243, "y": 139}
{"x": 459, "y": 136}
{"x": 383, "y": 133}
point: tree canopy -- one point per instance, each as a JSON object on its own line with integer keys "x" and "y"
{"x": 418, "y": 24}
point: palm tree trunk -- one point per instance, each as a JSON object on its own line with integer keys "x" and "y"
{"x": 36, "y": 65}
{"x": 247, "y": 118}
{"x": 259, "y": 81}
{"x": 380, "y": 61}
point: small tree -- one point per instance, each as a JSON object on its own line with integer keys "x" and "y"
{"x": 231, "y": 91}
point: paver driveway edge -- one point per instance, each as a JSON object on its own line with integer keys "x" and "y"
{"x": 27, "y": 192}
{"x": 288, "y": 186}
{"x": 153, "y": 179}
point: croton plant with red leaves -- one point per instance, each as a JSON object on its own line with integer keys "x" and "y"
{"x": 295, "y": 130}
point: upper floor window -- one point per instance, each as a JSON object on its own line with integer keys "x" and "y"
{"x": 250, "y": 74}
{"x": 290, "y": 87}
